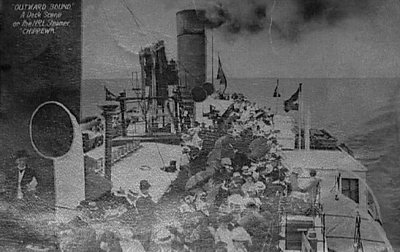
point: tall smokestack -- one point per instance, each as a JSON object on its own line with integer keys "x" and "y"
{"x": 191, "y": 49}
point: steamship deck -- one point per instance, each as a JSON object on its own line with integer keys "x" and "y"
{"x": 146, "y": 164}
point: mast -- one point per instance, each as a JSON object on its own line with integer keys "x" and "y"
{"x": 219, "y": 65}
{"x": 302, "y": 112}
{"x": 212, "y": 57}
{"x": 277, "y": 97}
{"x": 300, "y": 115}
{"x": 307, "y": 128}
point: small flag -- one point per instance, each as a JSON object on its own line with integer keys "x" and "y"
{"x": 292, "y": 102}
{"x": 110, "y": 96}
{"x": 221, "y": 75}
{"x": 276, "y": 92}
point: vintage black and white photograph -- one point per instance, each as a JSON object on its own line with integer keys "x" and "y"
{"x": 200, "y": 125}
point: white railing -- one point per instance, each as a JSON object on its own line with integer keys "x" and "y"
{"x": 117, "y": 154}
{"x": 124, "y": 150}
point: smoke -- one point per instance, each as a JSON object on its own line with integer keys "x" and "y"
{"x": 287, "y": 18}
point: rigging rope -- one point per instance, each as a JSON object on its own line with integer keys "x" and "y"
{"x": 135, "y": 19}
{"x": 159, "y": 153}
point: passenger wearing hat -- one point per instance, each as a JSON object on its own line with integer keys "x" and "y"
{"x": 227, "y": 163}
{"x": 235, "y": 186}
{"x": 308, "y": 190}
{"x": 145, "y": 207}
{"x": 312, "y": 186}
{"x": 22, "y": 177}
{"x": 144, "y": 203}
{"x": 236, "y": 205}
{"x": 201, "y": 204}
{"x": 226, "y": 172}
{"x": 187, "y": 204}
{"x": 249, "y": 185}
{"x": 185, "y": 160}
{"x": 247, "y": 171}
{"x": 294, "y": 180}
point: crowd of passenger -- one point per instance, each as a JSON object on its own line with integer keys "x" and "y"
{"x": 232, "y": 204}
{"x": 226, "y": 205}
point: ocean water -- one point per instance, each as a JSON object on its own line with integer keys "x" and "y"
{"x": 363, "y": 113}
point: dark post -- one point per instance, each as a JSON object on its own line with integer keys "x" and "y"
{"x": 122, "y": 105}
{"x": 163, "y": 117}
{"x": 108, "y": 111}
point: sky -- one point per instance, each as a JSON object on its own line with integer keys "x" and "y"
{"x": 254, "y": 38}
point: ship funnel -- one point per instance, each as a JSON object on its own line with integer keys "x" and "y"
{"x": 55, "y": 134}
{"x": 191, "y": 39}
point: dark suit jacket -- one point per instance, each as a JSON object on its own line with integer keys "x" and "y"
{"x": 13, "y": 181}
